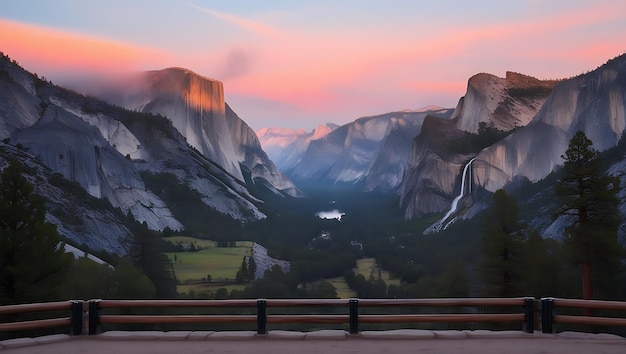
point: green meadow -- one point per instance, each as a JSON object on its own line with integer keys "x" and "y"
{"x": 221, "y": 263}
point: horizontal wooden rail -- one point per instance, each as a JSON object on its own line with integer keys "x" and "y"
{"x": 175, "y": 303}
{"x": 307, "y": 302}
{"x": 46, "y": 306}
{"x": 336, "y": 319}
{"x": 450, "y": 302}
{"x": 442, "y": 318}
{"x": 590, "y": 304}
{"x": 35, "y": 324}
{"x": 590, "y": 320}
{"x": 154, "y": 319}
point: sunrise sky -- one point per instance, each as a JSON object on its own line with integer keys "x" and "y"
{"x": 297, "y": 64}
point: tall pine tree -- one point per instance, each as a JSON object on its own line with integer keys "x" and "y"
{"x": 501, "y": 245}
{"x": 32, "y": 262}
{"x": 590, "y": 203}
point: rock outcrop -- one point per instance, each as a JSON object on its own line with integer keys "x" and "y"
{"x": 502, "y": 103}
{"x": 593, "y": 103}
{"x": 195, "y": 105}
{"x": 440, "y": 152}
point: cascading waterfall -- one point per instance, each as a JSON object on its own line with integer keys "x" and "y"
{"x": 443, "y": 223}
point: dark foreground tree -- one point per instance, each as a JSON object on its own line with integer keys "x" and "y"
{"x": 501, "y": 245}
{"x": 590, "y": 206}
{"x": 32, "y": 262}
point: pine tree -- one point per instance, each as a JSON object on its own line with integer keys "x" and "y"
{"x": 590, "y": 201}
{"x": 501, "y": 246}
{"x": 32, "y": 263}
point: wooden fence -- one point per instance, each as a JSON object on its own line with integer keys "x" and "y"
{"x": 518, "y": 310}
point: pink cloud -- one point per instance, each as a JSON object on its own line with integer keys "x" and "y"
{"x": 56, "y": 51}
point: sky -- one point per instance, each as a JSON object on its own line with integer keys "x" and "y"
{"x": 298, "y": 64}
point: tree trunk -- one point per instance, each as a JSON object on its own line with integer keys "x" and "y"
{"x": 587, "y": 290}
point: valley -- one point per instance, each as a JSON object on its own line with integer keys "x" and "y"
{"x": 163, "y": 180}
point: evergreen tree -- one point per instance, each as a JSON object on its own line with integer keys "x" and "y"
{"x": 32, "y": 262}
{"x": 591, "y": 205}
{"x": 501, "y": 246}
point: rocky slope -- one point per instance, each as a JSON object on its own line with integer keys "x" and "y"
{"x": 80, "y": 218}
{"x": 195, "y": 105}
{"x": 105, "y": 148}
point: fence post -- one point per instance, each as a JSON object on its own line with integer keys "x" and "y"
{"x": 76, "y": 317}
{"x": 354, "y": 316}
{"x": 547, "y": 315}
{"x": 261, "y": 322}
{"x": 529, "y": 314}
{"x": 94, "y": 316}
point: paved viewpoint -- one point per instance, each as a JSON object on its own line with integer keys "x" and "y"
{"x": 399, "y": 341}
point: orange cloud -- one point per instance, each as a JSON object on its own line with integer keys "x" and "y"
{"x": 52, "y": 50}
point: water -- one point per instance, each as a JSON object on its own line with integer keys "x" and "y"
{"x": 436, "y": 227}
{"x": 333, "y": 214}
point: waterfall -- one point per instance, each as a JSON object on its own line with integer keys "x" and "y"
{"x": 436, "y": 227}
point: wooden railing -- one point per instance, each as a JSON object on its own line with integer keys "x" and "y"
{"x": 522, "y": 312}
{"x": 550, "y": 307}
{"x": 73, "y": 320}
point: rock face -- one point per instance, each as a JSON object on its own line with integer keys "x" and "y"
{"x": 104, "y": 148}
{"x": 432, "y": 179}
{"x": 80, "y": 218}
{"x": 195, "y": 105}
{"x": 264, "y": 262}
{"x": 371, "y": 149}
{"x": 594, "y": 103}
{"x": 285, "y": 147}
{"x": 501, "y": 103}
{"x": 433, "y": 175}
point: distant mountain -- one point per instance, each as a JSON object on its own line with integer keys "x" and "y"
{"x": 372, "y": 150}
{"x": 285, "y": 147}
{"x": 196, "y": 107}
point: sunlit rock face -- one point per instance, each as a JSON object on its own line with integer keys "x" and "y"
{"x": 503, "y": 103}
{"x": 196, "y": 107}
{"x": 594, "y": 103}
{"x": 372, "y": 150}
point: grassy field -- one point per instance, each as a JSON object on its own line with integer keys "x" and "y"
{"x": 365, "y": 266}
{"x": 208, "y": 287}
{"x": 222, "y": 263}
